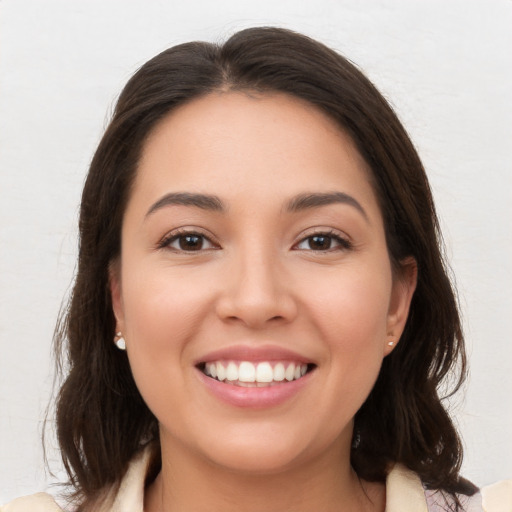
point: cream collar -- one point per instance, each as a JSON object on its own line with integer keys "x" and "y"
{"x": 404, "y": 491}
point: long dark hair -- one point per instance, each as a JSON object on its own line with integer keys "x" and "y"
{"x": 102, "y": 420}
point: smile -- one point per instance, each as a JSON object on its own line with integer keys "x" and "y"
{"x": 260, "y": 374}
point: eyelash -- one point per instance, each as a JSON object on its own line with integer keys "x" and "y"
{"x": 343, "y": 244}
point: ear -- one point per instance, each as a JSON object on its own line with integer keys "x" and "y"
{"x": 114, "y": 282}
{"x": 404, "y": 284}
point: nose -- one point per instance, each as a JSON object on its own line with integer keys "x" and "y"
{"x": 257, "y": 291}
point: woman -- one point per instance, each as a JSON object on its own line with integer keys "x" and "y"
{"x": 261, "y": 316}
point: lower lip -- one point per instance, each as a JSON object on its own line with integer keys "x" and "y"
{"x": 254, "y": 397}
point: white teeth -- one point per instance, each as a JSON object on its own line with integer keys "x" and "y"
{"x": 289, "y": 372}
{"x": 232, "y": 371}
{"x": 221, "y": 372}
{"x": 262, "y": 374}
{"x": 279, "y": 372}
{"x": 246, "y": 372}
{"x": 212, "y": 369}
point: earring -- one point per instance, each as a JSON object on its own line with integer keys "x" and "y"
{"x": 120, "y": 343}
{"x": 391, "y": 343}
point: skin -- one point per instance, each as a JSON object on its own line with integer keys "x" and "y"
{"x": 258, "y": 278}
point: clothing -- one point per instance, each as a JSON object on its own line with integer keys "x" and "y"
{"x": 404, "y": 493}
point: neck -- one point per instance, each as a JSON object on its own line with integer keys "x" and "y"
{"x": 327, "y": 483}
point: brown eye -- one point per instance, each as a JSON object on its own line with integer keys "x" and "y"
{"x": 319, "y": 242}
{"x": 187, "y": 242}
{"x": 323, "y": 242}
{"x": 190, "y": 242}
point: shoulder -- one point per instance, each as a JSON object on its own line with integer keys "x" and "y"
{"x": 128, "y": 496}
{"x": 40, "y": 502}
{"x": 405, "y": 492}
{"x": 498, "y": 497}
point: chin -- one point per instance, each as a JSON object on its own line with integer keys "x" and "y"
{"x": 255, "y": 460}
{"x": 268, "y": 450}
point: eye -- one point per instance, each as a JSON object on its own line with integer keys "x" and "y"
{"x": 187, "y": 242}
{"x": 323, "y": 242}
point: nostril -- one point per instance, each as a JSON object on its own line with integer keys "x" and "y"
{"x": 255, "y": 301}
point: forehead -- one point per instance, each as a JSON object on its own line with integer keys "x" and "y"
{"x": 262, "y": 145}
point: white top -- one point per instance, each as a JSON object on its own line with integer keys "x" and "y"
{"x": 404, "y": 493}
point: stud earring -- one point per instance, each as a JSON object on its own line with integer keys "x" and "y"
{"x": 119, "y": 341}
{"x": 391, "y": 343}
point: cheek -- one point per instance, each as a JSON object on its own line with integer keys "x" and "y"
{"x": 161, "y": 305}
{"x": 351, "y": 315}
{"x": 352, "y": 308}
{"x": 162, "y": 315}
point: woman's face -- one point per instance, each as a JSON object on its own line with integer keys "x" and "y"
{"x": 254, "y": 289}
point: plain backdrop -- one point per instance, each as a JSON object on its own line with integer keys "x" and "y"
{"x": 445, "y": 66}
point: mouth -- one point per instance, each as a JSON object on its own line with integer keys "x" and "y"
{"x": 259, "y": 374}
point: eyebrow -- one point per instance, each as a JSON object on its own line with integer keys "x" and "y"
{"x": 203, "y": 201}
{"x": 298, "y": 203}
{"x": 315, "y": 200}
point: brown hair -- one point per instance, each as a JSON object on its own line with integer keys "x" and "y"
{"x": 102, "y": 420}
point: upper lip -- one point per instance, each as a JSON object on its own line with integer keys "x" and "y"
{"x": 262, "y": 352}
